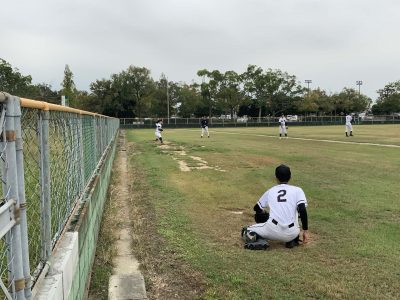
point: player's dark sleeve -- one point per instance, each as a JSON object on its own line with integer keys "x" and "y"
{"x": 303, "y": 215}
{"x": 257, "y": 208}
{"x": 260, "y": 216}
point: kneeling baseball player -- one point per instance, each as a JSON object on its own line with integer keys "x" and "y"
{"x": 285, "y": 202}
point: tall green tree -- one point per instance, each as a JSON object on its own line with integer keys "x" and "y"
{"x": 139, "y": 85}
{"x": 389, "y": 99}
{"x": 190, "y": 101}
{"x": 68, "y": 87}
{"x": 309, "y": 103}
{"x": 316, "y": 101}
{"x": 173, "y": 97}
{"x": 283, "y": 91}
{"x": 349, "y": 100}
{"x": 276, "y": 90}
{"x": 164, "y": 97}
{"x": 211, "y": 81}
{"x": 106, "y": 98}
{"x": 126, "y": 94}
{"x": 44, "y": 92}
{"x": 255, "y": 86}
{"x": 13, "y": 82}
{"x": 230, "y": 94}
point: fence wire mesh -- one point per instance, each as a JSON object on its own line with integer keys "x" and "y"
{"x": 31, "y": 153}
{"x": 61, "y": 151}
{"x": 64, "y": 168}
{"x": 7, "y": 278}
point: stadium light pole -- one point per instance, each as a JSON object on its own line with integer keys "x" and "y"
{"x": 167, "y": 101}
{"x": 359, "y": 83}
{"x": 308, "y": 81}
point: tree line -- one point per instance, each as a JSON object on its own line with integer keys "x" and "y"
{"x": 256, "y": 92}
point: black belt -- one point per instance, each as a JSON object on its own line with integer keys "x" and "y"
{"x": 276, "y": 223}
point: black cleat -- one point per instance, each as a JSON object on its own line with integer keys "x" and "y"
{"x": 293, "y": 243}
{"x": 260, "y": 244}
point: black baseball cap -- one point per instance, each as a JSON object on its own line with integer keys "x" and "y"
{"x": 282, "y": 172}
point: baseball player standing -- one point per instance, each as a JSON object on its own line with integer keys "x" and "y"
{"x": 159, "y": 124}
{"x": 282, "y": 126}
{"x": 284, "y": 201}
{"x": 349, "y": 127}
{"x": 204, "y": 126}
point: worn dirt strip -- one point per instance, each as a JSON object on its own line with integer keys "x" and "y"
{"x": 127, "y": 282}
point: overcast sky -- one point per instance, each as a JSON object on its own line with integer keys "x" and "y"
{"x": 332, "y": 42}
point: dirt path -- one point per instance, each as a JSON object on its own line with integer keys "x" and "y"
{"x": 133, "y": 242}
{"x": 166, "y": 275}
{"x": 124, "y": 262}
{"x": 127, "y": 281}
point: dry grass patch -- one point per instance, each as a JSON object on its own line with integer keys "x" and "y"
{"x": 167, "y": 276}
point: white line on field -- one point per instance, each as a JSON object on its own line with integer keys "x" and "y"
{"x": 308, "y": 139}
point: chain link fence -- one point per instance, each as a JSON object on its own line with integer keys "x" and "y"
{"x": 48, "y": 156}
{"x": 227, "y": 121}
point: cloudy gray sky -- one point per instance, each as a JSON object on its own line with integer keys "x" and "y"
{"x": 332, "y": 42}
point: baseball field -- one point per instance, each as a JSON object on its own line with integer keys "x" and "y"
{"x": 193, "y": 196}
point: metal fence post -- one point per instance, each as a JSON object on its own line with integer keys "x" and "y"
{"x": 96, "y": 146}
{"x": 11, "y": 192}
{"x": 45, "y": 198}
{"x": 81, "y": 153}
{"x": 22, "y": 202}
{"x": 102, "y": 130}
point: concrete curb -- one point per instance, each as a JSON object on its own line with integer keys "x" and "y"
{"x": 127, "y": 286}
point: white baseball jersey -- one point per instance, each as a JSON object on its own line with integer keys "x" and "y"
{"x": 282, "y": 121}
{"x": 282, "y": 201}
{"x": 348, "y": 126}
{"x": 158, "y": 127}
{"x": 282, "y": 125}
{"x": 282, "y": 224}
{"x": 158, "y": 130}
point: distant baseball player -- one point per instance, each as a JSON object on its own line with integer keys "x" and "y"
{"x": 285, "y": 202}
{"x": 204, "y": 126}
{"x": 282, "y": 126}
{"x": 349, "y": 127}
{"x": 159, "y": 124}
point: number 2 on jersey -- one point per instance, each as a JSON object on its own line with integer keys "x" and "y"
{"x": 281, "y": 194}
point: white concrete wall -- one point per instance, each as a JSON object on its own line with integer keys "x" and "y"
{"x": 57, "y": 283}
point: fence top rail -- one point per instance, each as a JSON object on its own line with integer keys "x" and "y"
{"x": 29, "y": 103}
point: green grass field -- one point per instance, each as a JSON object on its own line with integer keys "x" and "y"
{"x": 203, "y": 191}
